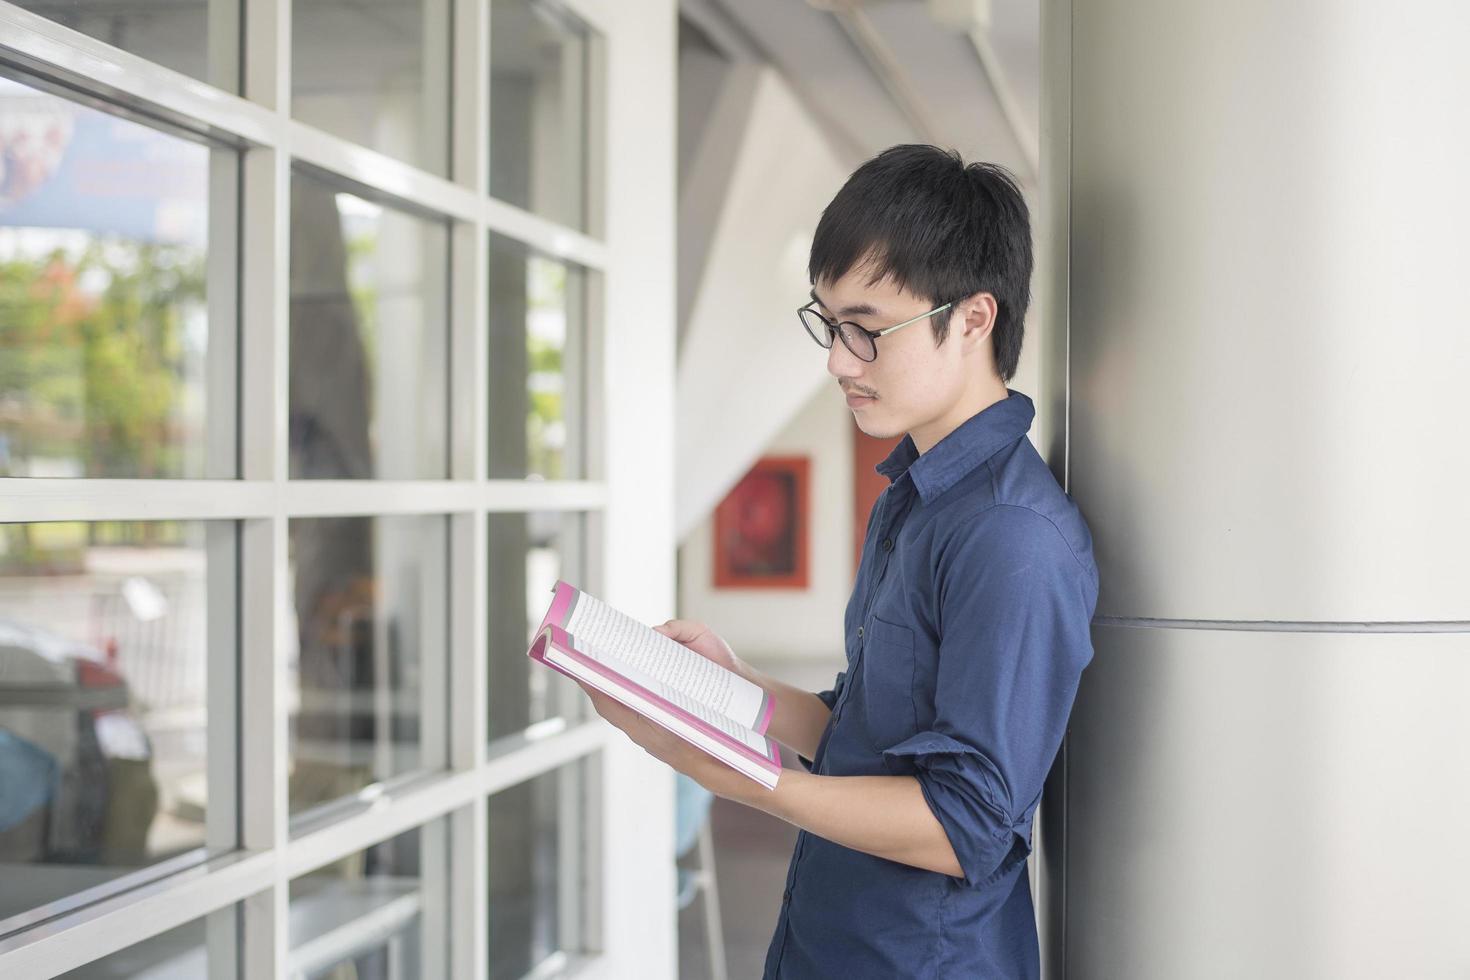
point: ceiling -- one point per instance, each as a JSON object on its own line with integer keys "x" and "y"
{"x": 876, "y": 73}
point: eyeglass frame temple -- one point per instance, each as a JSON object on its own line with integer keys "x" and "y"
{"x": 888, "y": 330}
{"x": 872, "y": 334}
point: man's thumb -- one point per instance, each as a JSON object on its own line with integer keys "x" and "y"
{"x": 677, "y": 629}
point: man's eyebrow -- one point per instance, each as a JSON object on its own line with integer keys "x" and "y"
{"x": 862, "y": 309}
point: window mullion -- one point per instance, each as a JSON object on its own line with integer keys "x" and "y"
{"x": 265, "y": 610}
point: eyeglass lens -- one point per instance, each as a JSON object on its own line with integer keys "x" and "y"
{"x": 821, "y": 330}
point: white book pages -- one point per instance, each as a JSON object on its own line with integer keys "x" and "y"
{"x": 603, "y": 632}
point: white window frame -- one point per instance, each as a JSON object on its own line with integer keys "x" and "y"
{"x": 627, "y": 495}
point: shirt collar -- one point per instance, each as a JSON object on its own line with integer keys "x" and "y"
{"x": 971, "y": 443}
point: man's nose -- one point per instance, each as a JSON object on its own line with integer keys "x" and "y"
{"x": 841, "y": 362}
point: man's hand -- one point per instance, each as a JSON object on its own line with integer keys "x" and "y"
{"x": 705, "y": 642}
{"x": 664, "y": 745}
{"x": 799, "y": 717}
{"x": 670, "y": 749}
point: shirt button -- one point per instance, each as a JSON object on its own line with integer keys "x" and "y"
{"x": 887, "y": 544}
{"x": 860, "y": 632}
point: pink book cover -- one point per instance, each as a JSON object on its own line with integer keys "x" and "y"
{"x": 551, "y": 630}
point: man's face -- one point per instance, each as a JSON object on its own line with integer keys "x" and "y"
{"x": 912, "y": 386}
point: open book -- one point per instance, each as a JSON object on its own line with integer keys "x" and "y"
{"x": 708, "y": 706}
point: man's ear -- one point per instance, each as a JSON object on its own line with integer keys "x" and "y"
{"x": 974, "y": 317}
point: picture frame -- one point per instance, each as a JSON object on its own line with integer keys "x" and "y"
{"x": 762, "y": 526}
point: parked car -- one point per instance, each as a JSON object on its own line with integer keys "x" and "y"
{"x": 76, "y": 779}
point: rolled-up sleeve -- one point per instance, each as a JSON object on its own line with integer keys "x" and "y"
{"x": 829, "y": 698}
{"x": 1013, "y": 607}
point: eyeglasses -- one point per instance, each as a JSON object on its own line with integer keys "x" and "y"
{"x": 860, "y": 340}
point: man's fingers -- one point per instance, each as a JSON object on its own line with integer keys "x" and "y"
{"x": 683, "y": 630}
{"x": 611, "y": 709}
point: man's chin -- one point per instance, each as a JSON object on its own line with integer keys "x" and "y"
{"x": 875, "y": 428}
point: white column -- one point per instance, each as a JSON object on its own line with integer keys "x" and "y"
{"x": 638, "y": 918}
{"x": 1267, "y": 210}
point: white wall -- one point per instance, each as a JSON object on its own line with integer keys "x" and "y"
{"x": 765, "y": 625}
{"x": 745, "y": 363}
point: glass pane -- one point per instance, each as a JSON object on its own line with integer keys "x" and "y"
{"x": 200, "y": 38}
{"x": 367, "y": 675}
{"x": 104, "y": 326}
{"x": 539, "y": 90}
{"x": 103, "y": 682}
{"x": 378, "y": 914}
{"x": 538, "y": 365}
{"x": 369, "y": 338}
{"x": 528, "y": 553}
{"x": 375, "y": 72}
{"x": 538, "y": 872}
{"x": 205, "y": 948}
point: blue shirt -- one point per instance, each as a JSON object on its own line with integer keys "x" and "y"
{"x": 966, "y": 632}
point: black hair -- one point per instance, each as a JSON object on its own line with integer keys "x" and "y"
{"x": 941, "y": 230}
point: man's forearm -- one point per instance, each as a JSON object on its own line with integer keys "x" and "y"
{"x": 882, "y": 815}
{"x": 799, "y": 717}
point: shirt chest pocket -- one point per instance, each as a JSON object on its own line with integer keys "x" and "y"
{"x": 888, "y": 683}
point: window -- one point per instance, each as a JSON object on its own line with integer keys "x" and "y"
{"x": 538, "y": 365}
{"x": 540, "y": 60}
{"x": 369, "y": 338}
{"x": 376, "y": 74}
{"x": 538, "y": 862}
{"x": 297, "y": 429}
{"x": 528, "y": 553}
{"x": 200, "y": 38}
{"x": 367, "y": 669}
{"x": 109, "y": 356}
{"x": 206, "y": 949}
{"x": 381, "y": 912}
{"x": 105, "y": 728}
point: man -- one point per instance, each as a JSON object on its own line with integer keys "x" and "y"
{"x": 968, "y": 625}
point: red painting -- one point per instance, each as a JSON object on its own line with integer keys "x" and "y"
{"x": 761, "y": 527}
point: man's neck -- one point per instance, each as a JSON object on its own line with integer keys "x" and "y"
{"x": 977, "y": 400}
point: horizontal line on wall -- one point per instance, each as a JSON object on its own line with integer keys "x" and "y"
{"x": 1286, "y": 626}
